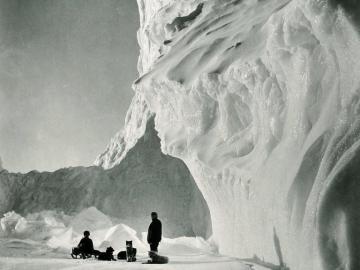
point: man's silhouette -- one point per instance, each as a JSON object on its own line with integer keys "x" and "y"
{"x": 154, "y": 232}
{"x": 86, "y": 245}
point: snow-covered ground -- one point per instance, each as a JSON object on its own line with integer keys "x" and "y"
{"x": 25, "y": 254}
{"x": 194, "y": 262}
{"x": 44, "y": 240}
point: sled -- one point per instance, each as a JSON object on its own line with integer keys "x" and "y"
{"x": 152, "y": 262}
{"x": 156, "y": 259}
{"x": 80, "y": 256}
{"x": 76, "y": 254}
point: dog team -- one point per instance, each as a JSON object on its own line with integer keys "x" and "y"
{"x": 85, "y": 248}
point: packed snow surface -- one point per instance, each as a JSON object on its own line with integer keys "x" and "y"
{"x": 261, "y": 101}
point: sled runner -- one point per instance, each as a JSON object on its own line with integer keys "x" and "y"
{"x": 76, "y": 254}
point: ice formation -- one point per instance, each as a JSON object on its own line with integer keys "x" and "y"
{"x": 145, "y": 180}
{"x": 135, "y": 126}
{"x": 261, "y": 101}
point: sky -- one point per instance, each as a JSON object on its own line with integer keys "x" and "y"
{"x": 66, "y": 69}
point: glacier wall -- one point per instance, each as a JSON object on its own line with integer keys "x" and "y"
{"x": 145, "y": 180}
{"x": 261, "y": 101}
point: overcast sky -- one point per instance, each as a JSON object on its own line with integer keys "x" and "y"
{"x": 66, "y": 69}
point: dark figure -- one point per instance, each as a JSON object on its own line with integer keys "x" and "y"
{"x": 107, "y": 256}
{"x": 154, "y": 232}
{"x": 86, "y": 247}
{"x": 122, "y": 255}
{"x": 130, "y": 252}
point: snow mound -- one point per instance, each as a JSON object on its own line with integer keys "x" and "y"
{"x": 117, "y": 236}
{"x": 90, "y": 219}
{"x": 11, "y": 222}
{"x": 186, "y": 246}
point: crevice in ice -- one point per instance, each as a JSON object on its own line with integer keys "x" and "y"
{"x": 304, "y": 180}
{"x": 182, "y": 22}
{"x": 277, "y": 246}
{"x": 278, "y": 249}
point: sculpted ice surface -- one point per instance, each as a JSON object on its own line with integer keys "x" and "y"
{"x": 261, "y": 101}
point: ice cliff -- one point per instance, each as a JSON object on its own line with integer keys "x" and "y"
{"x": 134, "y": 128}
{"x": 146, "y": 180}
{"x": 261, "y": 101}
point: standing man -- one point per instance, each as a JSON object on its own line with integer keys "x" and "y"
{"x": 154, "y": 232}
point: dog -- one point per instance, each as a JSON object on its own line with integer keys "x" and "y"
{"x": 107, "y": 256}
{"x": 121, "y": 255}
{"x": 130, "y": 252}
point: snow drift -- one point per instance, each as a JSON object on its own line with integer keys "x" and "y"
{"x": 145, "y": 180}
{"x": 261, "y": 100}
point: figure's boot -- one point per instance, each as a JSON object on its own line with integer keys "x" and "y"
{"x": 151, "y": 255}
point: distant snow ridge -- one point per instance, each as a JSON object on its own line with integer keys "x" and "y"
{"x": 261, "y": 100}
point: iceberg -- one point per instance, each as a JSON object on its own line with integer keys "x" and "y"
{"x": 261, "y": 102}
{"x": 260, "y": 99}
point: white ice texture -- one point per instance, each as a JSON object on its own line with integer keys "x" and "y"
{"x": 260, "y": 99}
